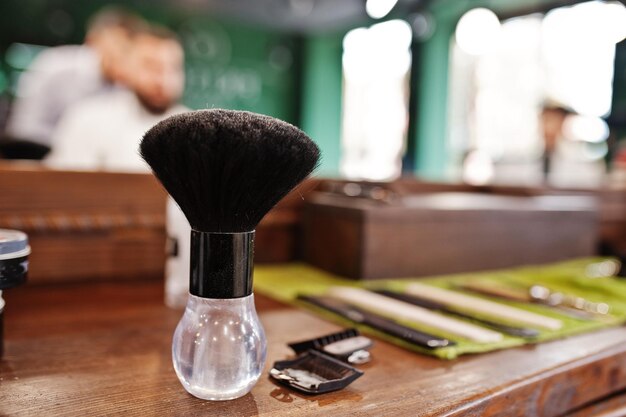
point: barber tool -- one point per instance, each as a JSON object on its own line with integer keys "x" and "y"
{"x": 314, "y": 372}
{"x": 522, "y": 296}
{"x": 377, "y": 322}
{"x": 225, "y": 169}
{"x": 479, "y": 305}
{"x": 347, "y": 345}
{"x": 405, "y": 311}
{"x": 437, "y": 306}
{"x": 14, "y": 251}
{"x": 603, "y": 269}
{"x": 544, "y": 295}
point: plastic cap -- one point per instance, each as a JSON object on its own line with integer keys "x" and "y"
{"x": 12, "y": 241}
{"x": 14, "y": 251}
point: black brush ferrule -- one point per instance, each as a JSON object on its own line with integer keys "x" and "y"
{"x": 221, "y": 264}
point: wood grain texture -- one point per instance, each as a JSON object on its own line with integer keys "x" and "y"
{"x": 612, "y": 406}
{"x": 87, "y": 226}
{"x": 104, "y": 349}
{"x": 363, "y": 239}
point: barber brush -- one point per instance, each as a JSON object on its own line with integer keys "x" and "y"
{"x": 226, "y": 170}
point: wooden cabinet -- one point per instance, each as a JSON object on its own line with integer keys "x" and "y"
{"x": 87, "y": 226}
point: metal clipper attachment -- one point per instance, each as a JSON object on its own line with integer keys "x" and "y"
{"x": 314, "y": 373}
{"x": 347, "y": 345}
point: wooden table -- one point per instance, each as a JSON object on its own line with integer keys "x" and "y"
{"x": 104, "y": 349}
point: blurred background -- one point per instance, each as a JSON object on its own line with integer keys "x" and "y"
{"x": 520, "y": 92}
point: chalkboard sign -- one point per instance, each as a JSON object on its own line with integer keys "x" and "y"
{"x": 228, "y": 64}
{"x": 239, "y": 68}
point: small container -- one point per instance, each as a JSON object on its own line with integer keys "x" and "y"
{"x": 14, "y": 251}
{"x": 178, "y": 254}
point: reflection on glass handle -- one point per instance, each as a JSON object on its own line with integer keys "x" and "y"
{"x": 219, "y": 347}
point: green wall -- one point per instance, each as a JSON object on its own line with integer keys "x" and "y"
{"x": 430, "y": 117}
{"x": 228, "y": 64}
{"x": 321, "y": 97}
{"x": 430, "y": 153}
{"x": 238, "y": 67}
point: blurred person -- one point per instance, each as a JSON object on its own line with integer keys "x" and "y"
{"x": 565, "y": 160}
{"x": 63, "y": 75}
{"x": 568, "y": 158}
{"x": 103, "y": 132}
{"x": 552, "y": 120}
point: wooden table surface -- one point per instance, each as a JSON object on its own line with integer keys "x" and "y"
{"x": 104, "y": 349}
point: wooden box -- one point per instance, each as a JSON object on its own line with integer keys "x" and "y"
{"x": 278, "y": 237}
{"x": 441, "y": 233}
{"x": 613, "y": 222}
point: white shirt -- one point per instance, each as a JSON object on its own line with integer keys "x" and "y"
{"x": 104, "y": 132}
{"x": 56, "y": 79}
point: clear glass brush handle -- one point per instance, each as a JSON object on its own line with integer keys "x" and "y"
{"x": 219, "y": 347}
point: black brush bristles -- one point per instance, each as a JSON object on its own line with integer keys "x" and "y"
{"x": 226, "y": 169}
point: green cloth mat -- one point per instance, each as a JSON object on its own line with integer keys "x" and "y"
{"x": 285, "y": 282}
